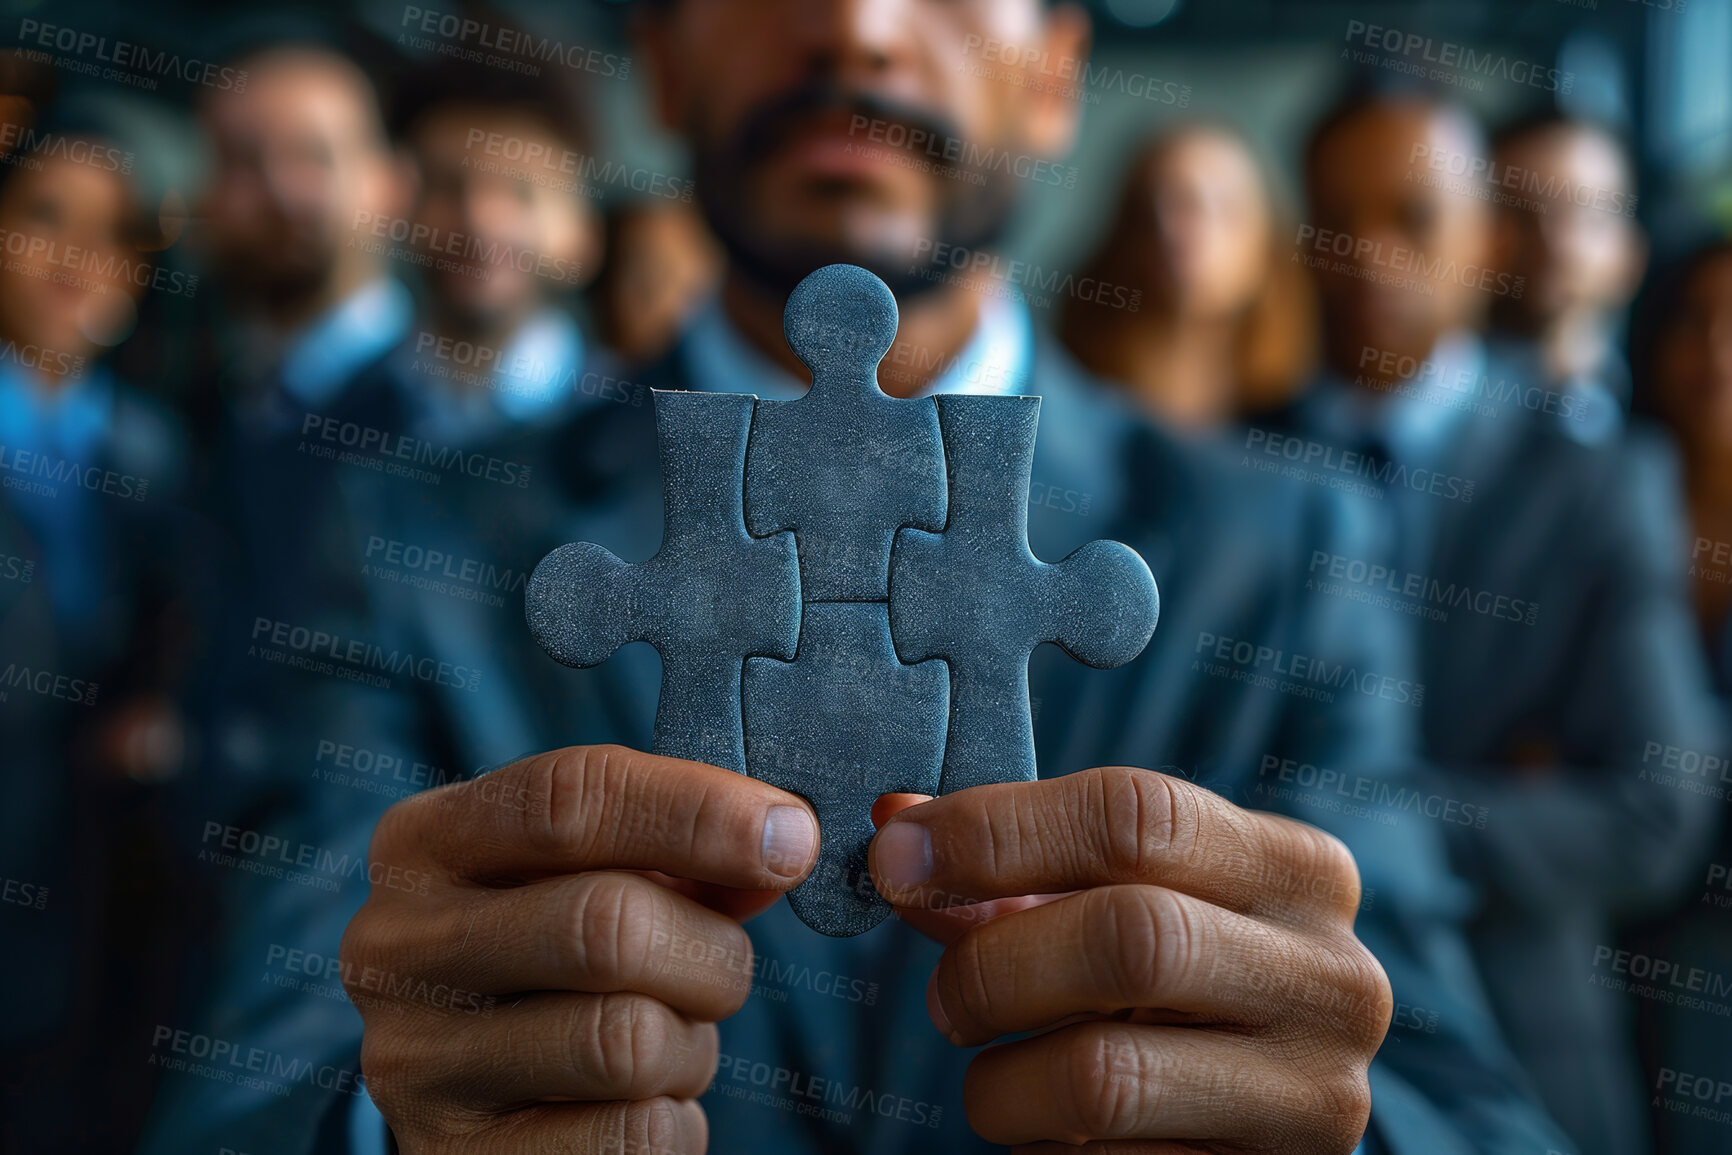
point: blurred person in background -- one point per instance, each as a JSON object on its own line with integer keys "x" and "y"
{"x": 93, "y": 586}
{"x": 304, "y": 197}
{"x": 1553, "y": 636}
{"x": 1565, "y": 223}
{"x": 301, "y": 166}
{"x": 1227, "y": 319}
{"x": 661, "y": 264}
{"x": 1684, "y": 348}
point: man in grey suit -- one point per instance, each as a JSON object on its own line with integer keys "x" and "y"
{"x": 1541, "y": 581}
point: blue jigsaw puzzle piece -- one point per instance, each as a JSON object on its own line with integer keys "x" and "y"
{"x": 845, "y": 466}
{"x": 711, "y": 596}
{"x": 842, "y": 723}
{"x": 976, "y": 596}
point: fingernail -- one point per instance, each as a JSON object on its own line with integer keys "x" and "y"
{"x": 790, "y": 836}
{"x": 935, "y": 1009}
{"x": 904, "y": 855}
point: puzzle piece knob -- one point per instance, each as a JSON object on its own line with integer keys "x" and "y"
{"x": 841, "y": 320}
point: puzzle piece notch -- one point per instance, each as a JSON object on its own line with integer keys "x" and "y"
{"x": 711, "y": 596}
{"x": 842, "y": 723}
{"x": 976, "y": 596}
{"x": 845, "y": 466}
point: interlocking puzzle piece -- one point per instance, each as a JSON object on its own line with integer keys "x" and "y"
{"x": 845, "y": 466}
{"x": 842, "y": 723}
{"x": 711, "y": 595}
{"x": 976, "y": 596}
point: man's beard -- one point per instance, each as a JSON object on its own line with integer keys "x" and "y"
{"x": 972, "y": 220}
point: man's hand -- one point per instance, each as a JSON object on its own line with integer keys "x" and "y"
{"x": 556, "y": 985}
{"x": 1192, "y": 965}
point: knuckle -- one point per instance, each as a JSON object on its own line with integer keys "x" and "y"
{"x": 1369, "y": 994}
{"x": 613, "y": 924}
{"x": 1343, "y": 1112}
{"x": 386, "y": 1072}
{"x": 966, "y": 986}
{"x": 657, "y": 1126}
{"x": 563, "y": 790}
{"x": 1141, "y": 816}
{"x": 1154, "y": 941}
{"x": 632, "y": 1042}
{"x": 1107, "y": 1086}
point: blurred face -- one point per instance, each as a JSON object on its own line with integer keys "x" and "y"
{"x": 869, "y": 131}
{"x": 1207, "y": 251}
{"x": 73, "y": 310}
{"x": 297, "y": 155}
{"x": 666, "y": 265}
{"x": 1693, "y": 366}
{"x": 1359, "y": 187}
{"x": 526, "y": 210}
{"x": 1574, "y": 255}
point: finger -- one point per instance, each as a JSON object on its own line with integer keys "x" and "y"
{"x": 1094, "y": 1081}
{"x": 952, "y": 922}
{"x": 1118, "y": 948}
{"x": 597, "y": 932}
{"x": 1111, "y": 825}
{"x": 656, "y": 1127}
{"x": 890, "y": 805}
{"x": 606, "y": 807}
{"x": 560, "y": 1046}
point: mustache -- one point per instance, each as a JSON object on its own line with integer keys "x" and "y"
{"x": 767, "y": 127}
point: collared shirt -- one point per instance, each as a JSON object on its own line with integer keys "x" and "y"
{"x": 996, "y": 361}
{"x": 309, "y": 369}
{"x": 65, "y": 427}
{"x": 537, "y": 376}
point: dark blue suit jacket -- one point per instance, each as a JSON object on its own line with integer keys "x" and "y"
{"x": 1229, "y": 549}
